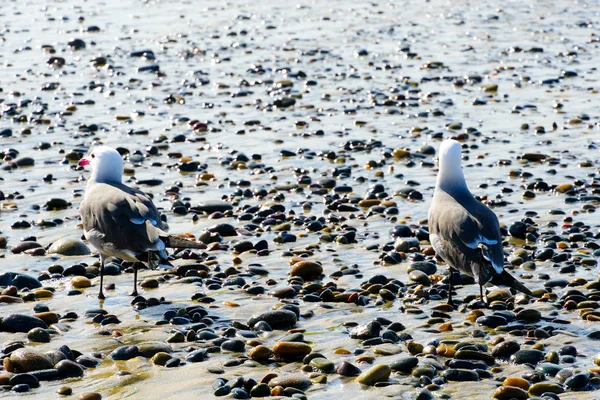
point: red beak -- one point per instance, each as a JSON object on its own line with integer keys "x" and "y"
{"x": 83, "y": 162}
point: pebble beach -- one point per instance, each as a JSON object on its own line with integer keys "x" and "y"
{"x": 298, "y": 141}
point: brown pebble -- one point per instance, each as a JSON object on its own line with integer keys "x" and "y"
{"x": 90, "y": 396}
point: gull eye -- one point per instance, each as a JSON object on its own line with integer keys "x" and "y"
{"x": 93, "y": 156}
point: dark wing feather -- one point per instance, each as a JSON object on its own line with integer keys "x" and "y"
{"x": 125, "y": 216}
{"x": 469, "y": 241}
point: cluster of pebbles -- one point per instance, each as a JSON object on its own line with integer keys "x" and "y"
{"x": 298, "y": 144}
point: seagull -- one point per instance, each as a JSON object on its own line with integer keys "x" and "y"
{"x": 121, "y": 221}
{"x": 464, "y": 232}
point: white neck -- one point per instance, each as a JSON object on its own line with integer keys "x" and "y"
{"x": 450, "y": 175}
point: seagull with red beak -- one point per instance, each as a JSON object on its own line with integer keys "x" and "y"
{"x": 121, "y": 221}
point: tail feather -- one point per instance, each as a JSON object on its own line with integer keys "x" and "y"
{"x": 176, "y": 242}
{"x": 507, "y": 279}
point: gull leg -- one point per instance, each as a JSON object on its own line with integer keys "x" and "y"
{"x": 450, "y": 287}
{"x": 135, "y": 268}
{"x": 101, "y": 294}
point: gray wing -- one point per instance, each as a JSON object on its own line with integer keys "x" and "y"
{"x": 121, "y": 218}
{"x": 464, "y": 232}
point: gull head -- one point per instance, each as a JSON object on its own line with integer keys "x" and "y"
{"x": 106, "y": 164}
{"x": 450, "y": 174}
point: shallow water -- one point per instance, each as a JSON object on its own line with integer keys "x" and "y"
{"x": 217, "y": 57}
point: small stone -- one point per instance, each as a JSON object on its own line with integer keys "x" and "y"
{"x": 527, "y": 356}
{"x": 21, "y": 323}
{"x": 306, "y": 269}
{"x": 291, "y": 350}
{"x": 233, "y": 345}
{"x": 69, "y": 247}
{"x": 322, "y": 364}
{"x": 39, "y": 335}
{"x": 510, "y": 393}
{"x": 260, "y": 353}
{"x": 297, "y": 381}
{"x": 347, "y": 369}
{"x": 64, "y": 391}
{"x": 277, "y": 319}
{"x": 149, "y": 283}
{"x": 69, "y": 369}
{"x": 196, "y": 356}
{"x": 90, "y": 396}
{"x": 25, "y": 360}
{"x": 80, "y": 282}
{"x": 161, "y": 358}
{"x": 377, "y": 373}
{"x": 460, "y": 375}
{"x": 124, "y": 353}
{"x": 537, "y": 389}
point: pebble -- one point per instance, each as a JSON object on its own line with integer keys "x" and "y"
{"x": 80, "y": 282}
{"x": 306, "y": 269}
{"x": 21, "y": 323}
{"x": 377, "y": 373}
{"x": 277, "y": 319}
{"x": 69, "y": 247}
{"x": 69, "y": 369}
{"x": 296, "y": 381}
{"x": 26, "y": 360}
{"x": 291, "y": 350}
{"x": 39, "y": 335}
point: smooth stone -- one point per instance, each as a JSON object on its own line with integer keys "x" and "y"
{"x": 577, "y": 381}
{"x": 527, "y": 356}
{"x": 39, "y": 335}
{"x": 161, "y": 358}
{"x": 548, "y": 368}
{"x": 510, "y": 393}
{"x": 260, "y": 390}
{"x": 537, "y": 389}
{"x": 125, "y": 353}
{"x": 427, "y": 268}
{"x": 21, "y": 323}
{"x": 419, "y": 277}
{"x": 277, "y": 319}
{"x": 322, "y": 364}
{"x": 69, "y": 369}
{"x": 366, "y": 331}
{"x": 10, "y": 299}
{"x": 529, "y": 315}
{"x": 149, "y": 349}
{"x": 80, "y": 282}
{"x": 291, "y": 350}
{"x": 233, "y": 345}
{"x": 88, "y": 361}
{"x": 347, "y": 369}
{"x": 26, "y": 360}
{"x": 306, "y": 269}
{"x": 69, "y": 247}
{"x": 405, "y": 364}
{"x": 21, "y": 388}
{"x": 64, "y": 391}
{"x": 460, "y": 375}
{"x": 197, "y": 356}
{"x": 23, "y": 247}
{"x": 377, "y": 373}
{"x": 24, "y": 379}
{"x": 149, "y": 283}
{"x": 505, "y": 349}
{"x": 48, "y": 317}
{"x": 90, "y": 396}
{"x": 491, "y": 321}
{"x": 464, "y": 354}
{"x": 297, "y": 381}
{"x": 260, "y": 353}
